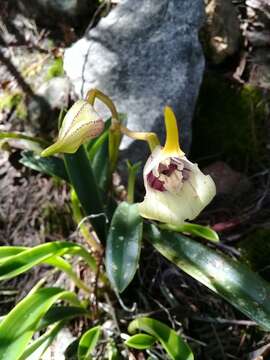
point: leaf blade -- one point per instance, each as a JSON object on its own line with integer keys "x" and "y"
{"x": 19, "y": 325}
{"x": 52, "y": 165}
{"x": 141, "y": 341}
{"x": 233, "y": 281}
{"x": 123, "y": 245}
{"x": 88, "y": 342}
{"x": 175, "y": 346}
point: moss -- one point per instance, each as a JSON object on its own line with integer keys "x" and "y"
{"x": 255, "y": 251}
{"x": 56, "y": 69}
{"x": 229, "y": 122}
{"x": 11, "y": 100}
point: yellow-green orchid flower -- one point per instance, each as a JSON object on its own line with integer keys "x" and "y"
{"x": 80, "y": 124}
{"x": 176, "y": 189}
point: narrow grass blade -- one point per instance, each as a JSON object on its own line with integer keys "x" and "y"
{"x": 19, "y": 325}
{"x": 88, "y": 343}
{"x": 123, "y": 245}
{"x": 26, "y": 259}
{"x": 204, "y": 232}
{"x": 38, "y": 347}
{"x": 175, "y": 346}
{"x": 132, "y": 173}
{"x": 20, "y": 136}
{"x": 234, "y": 281}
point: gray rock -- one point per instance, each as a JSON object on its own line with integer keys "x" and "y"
{"x": 145, "y": 54}
{"x": 56, "y": 92}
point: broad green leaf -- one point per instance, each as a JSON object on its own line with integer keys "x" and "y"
{"x": 100, "y": 165}
{"x": 83, "y": 180}
{"x": 123, "y": 245}
{"x": 175, "y": 346}
{"x": 52, "y": 165}
{"x": 60, "y": 313}
{"x": 88, "y": 342}
{"x": 141, "y": 341}
{"x": 18, "y": 327}
{"x": 37, "y": 347}
{"x": 204, "y": 232}
{"x": 24, "y": 260}
{"x": 232, "y": 280}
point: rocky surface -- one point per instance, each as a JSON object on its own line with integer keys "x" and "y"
{"x": 257, "y": 32}
{"x": 144, "y": 55}
{"x": 221, "y": 34}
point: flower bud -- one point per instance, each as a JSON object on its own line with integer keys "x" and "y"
{"x": 80, "y": 124}
{"x": 176, "y": 189}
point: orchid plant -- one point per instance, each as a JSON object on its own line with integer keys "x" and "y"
{"x": 85, "y": 155}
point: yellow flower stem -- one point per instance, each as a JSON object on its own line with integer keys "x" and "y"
{"x": 115, "y": 135}
{"x": 172, "y": 145}
{"x": 116, "y": 126}
{"x": 150, "y": 137}
{"x": 94, "y": 94}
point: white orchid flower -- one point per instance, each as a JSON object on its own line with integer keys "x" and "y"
{"x": 176, "y": 189}
{"x": 80, "y": 124}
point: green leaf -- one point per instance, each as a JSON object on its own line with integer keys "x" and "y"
{"x": 60, "y": 313}
{"x": 19, "y": 325}
{"x": 204, "y": 232}
{"x": 88, "y": 342}
{"x": 123, "y": 245}
{"x": 83, "y": 180}
{"x": 38, "y": 347}
{"x": 52, "y": 165}
{"x": 132, "y": 173}
{"x": 19, "y": 136}
{"x": 234, "y": 281}
{"x": 94, "y": 145}
{"x": 100, "y": 166}
{"x": 175, "y": 346}
{"x": 141, "y": 341}
{"x": 24, "y": 260}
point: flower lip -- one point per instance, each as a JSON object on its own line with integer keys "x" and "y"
{"x": 171, "y": 172}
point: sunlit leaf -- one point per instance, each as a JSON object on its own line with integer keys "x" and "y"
{"x": 204, "y": 232}
{"x": 88, "y": 343}
{"x": 18, "y": 327}
{"x": 232, "y": 280}
{"x": 37, "y": 348}
{"x": 25, "y": 259}
{"x": 175, "y": 346}
{"x": 123, "y": 245}
{"x": 141, "y": 341}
